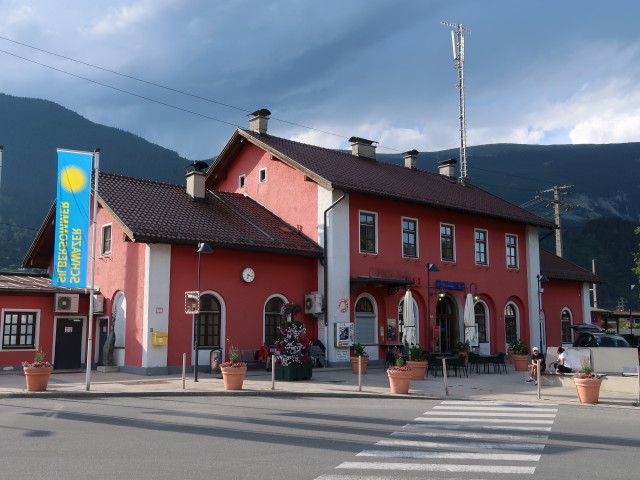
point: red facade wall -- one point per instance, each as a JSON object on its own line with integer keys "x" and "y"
{"x": 557, "y": 296}
{"x": 496, "y": 284}
{"x": 285, "y": 191}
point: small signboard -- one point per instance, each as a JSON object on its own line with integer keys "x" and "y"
{"x": 342, "y": 355}
{"x": 192, "y": 302}
{"x": 344, "y": 334}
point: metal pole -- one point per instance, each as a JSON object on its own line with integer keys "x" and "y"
{"x": 538, "y": 377}
{"x": 196, "y": 327}
{"x": 445, "y": 376}
{"x": 273, "y": 372}
{"x": 96, "y": 163}
{"x": 360, "y": 373}
{"x": 184, "y": 370}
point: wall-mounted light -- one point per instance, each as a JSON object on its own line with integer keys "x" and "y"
{"x": 476, "y": 295}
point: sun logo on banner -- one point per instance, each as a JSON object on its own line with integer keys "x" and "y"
{"x": 73, "y": 179}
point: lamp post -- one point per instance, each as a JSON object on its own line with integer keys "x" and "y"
{"x": 631, "y": 287}
{"x": 203, "y": 247}
{"x": 541, "y": 278}
{"x": 431, "y": 267}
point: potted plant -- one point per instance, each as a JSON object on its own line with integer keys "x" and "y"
{"x": 520, "y": 356}
{"x": 587, "y": 384}
{"x": 399, "y": 376}
{"x": 358, "y": 354}
{"x": 37, "y": 372}
{"x": 463, "y": 348}
{"x": 292, "y": 361}
{"x": 417, "y": 362}
{"x": 233, "y": 371}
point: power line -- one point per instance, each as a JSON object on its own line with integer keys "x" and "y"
{"x": 18, "y": 226}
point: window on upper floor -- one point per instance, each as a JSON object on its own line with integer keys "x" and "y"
{"x": 481, "y": 247}
{"x": 447, "y": 243}
{"x": 409, "y": 238}
{"x": 512, "y": 250}
{"x": 105, "y": 243}
{"x": 368, "y": 232}
{"x": 241, "y": 180}
{"x": 19, "y": 329}
{"x": 262, "y": 175}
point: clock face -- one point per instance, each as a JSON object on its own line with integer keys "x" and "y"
{"x": 248, "y": 274}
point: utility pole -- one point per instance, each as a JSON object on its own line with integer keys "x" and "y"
{"x": 457, "y": 41}
{"x": 593, "y": 285}
{"x": 557, "y": 202}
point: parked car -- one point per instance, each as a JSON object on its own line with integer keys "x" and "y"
{"x": 586, "y": 327}
{"x": 600, "y": 339}
{"x": 632, "y": 339}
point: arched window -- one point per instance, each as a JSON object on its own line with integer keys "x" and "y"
{"x": 510, "y": 323}
{"x": 273, "y": 320}
{"x": 480, "y": 313}
{"x": 565, "y": 322}
{"x": 209, "y": 321}
{"x": 365, "y": 322}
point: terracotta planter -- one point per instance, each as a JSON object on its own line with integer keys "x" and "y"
{"x": 37, "y": 378}
{"x": 233, "y": 377}
{"x": 419, "y": 369}
{"x": 354, "y": 364}
{"x": 520, "y": 362}
{"x": 510, "y": 356}
{"x": 399, "y": 380}
{"x": 588, "y": 389}
{"x": 466, "y": 358}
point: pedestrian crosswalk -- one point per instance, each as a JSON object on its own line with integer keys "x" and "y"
{"x": 458, "y": 440}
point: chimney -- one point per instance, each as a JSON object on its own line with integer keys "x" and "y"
{"x": 447, "y": 167}
{"x": 411, "y": 158}
{"x": 195, "y": 184}
{"x": 361, "y": 147}
{"x": 258, "y": 121}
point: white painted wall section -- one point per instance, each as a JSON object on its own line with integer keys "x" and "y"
{"x": 156, "y": 303}
{"x": 533, "y": 268}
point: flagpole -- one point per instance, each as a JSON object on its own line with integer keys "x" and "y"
{"x": 96, "y": 162}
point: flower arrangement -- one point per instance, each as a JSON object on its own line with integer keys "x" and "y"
{"x": 290, "y": 310}
{"x": 234, "y": 359}
{"x": 416, "y": 353}
{"x": 38, "y": 360}
{"x": 586, "y": 371}
{"x": 519, "y": 348}
{"x": 400, "y": 365}
{"x": 292, "y": 348}
{"x": 463, "y": 346}
{"x": 358, "y": 350}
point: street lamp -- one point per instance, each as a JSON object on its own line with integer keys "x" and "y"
{"x": 541, "y": 279}
{"x": 431, "y": 267}
{"x": 203, "y": 247}
{"x": 631, "y": 287}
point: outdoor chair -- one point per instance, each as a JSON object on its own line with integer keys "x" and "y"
{"x": 497, "y": 360}
{"x": 389, "y": 360}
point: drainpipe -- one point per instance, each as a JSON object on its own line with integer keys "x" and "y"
{"x": 325, "y": 264}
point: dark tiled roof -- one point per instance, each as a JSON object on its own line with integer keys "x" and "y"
{"x": 344, "y": 171}
{"x": 14, "y": 283}
{"x": 558, "y": 268}
{"x": 159, "y": 212}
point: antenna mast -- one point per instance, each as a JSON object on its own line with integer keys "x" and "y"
{"x": 457, "y": 42}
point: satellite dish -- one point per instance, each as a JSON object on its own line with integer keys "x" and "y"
{"x": 263, "y": 112}
{"x": 198, "y": 166}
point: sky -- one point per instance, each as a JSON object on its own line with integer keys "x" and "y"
{"x": 185, "y": 73}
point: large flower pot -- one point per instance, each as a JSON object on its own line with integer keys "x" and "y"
{"x": 294, "y": 372}
{"x": 510, "y": 355}
{"x": 419, "y": 369}
{"x": 520, "y": 362}
{"x": 354, "y": 364}
{"x": 37, "y": 378}
{"x": 588, "y": 389}
{"x": 233, "y": 377}
{"x": 399, "y": 380}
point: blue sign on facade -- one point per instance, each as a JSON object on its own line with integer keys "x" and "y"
{"x": 445, "y": 285}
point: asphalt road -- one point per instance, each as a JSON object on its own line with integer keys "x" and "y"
{"x": 312, "y": 438}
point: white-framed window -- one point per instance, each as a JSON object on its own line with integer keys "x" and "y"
{"x": 273, "y": 320}
{"x": 241, "y": 181}
{"x": 409, "y": 237}
{"x": 511, "y": 323}
{"x": 565, "y": 325}
{"x": 447, "y": 243}
{"x": 511, "y": 242}
{"x": 365, "y": 321}
{"x": 481, "y": 247}
{"x": 105, "y": 242}
{"x": 262, "y": 175}
{"x": 480, "y": 314}
{"x": 19, "y": 329}
{"x": 368, "y": 232}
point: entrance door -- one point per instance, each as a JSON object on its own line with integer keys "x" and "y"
{"x": 103, "y": 328}
{"x": 68, "y": 344}
{"x": 445, "y": 321}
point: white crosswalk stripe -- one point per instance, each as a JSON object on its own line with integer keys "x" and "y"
{"x": 459, "y": 438}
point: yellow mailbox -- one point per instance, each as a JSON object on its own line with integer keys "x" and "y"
{"x": 159, "y": 338}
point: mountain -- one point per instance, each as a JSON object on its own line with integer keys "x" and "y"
{"x": 605, "y": 179}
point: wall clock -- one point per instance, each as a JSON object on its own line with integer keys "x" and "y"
{"x": 248, "y": 274}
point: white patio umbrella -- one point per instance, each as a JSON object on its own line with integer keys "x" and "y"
{"x": 470, "y": 332}
{"x": 409, "y": 314}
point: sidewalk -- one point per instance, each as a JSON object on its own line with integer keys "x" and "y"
{"x": 616, "y": 391}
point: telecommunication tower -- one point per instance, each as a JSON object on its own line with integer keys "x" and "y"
{"x": 457, "y": 42}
